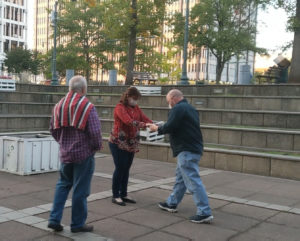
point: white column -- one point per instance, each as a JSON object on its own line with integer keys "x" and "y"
{"x": 25, "y": 34}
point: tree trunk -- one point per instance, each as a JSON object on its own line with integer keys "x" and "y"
{"x": 97, "y": 71}
{"x": 132, "y": 44}
{"x": 295, "y": 70}
{"x": 87, "y": 70}
{"x": 219, "y": 70}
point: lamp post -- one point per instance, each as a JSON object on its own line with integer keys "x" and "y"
{"x": 184, "y": 78}
{"x": 54, "y": 80}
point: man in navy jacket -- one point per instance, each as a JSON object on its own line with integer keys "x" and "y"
{"x": 186, "y": 141}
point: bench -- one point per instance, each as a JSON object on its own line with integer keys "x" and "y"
{"x": 271, "y": 75}
{"x": 7, "y": 84}
{"x": 149, "y": 90}
{"x": 140, "y": 78}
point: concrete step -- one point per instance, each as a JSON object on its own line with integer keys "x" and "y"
{"x": 276, "y": 103}
{"x": 243, "y": 138}
{"x": 13, "y": 122}
{"x": 252, "y": 138}
{"x": 247, "y": 138}
{"x": 261, "y": 163}
{"x": 277, "y": 119}
{"x": 254, "y": 162}
{"x": 270, "y": 139}
{"x": 242, "y": 90}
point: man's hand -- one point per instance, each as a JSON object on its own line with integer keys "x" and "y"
{"x": 152, "y": 127}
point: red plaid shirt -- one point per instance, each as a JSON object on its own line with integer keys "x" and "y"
{"x": 128, "y": 121}
{"x": 76, "y": 145}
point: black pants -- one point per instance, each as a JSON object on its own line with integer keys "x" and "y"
{"x": 123, "y": 160}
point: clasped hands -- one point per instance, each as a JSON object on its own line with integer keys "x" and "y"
{"x": 152, "y": 127}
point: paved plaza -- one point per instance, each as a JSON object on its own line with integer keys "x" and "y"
{"x": 246, "y": 207}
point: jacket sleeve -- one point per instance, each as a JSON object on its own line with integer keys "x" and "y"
{"x": 53, "y": 132}
{"x": 173, "y": 122}
{"x": 121, "y": 113}
{"x": 93, "y": 129}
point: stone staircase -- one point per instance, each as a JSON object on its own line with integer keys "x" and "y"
{"x": 252, "y": 129}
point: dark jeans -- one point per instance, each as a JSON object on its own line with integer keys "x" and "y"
{"x": 123, "y": 160}
{"x": 78, "y": 176}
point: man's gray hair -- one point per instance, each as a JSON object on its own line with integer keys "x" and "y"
{"x": 175, "y": 93}
{"x": 77, "y": 84}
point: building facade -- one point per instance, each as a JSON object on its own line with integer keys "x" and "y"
{"x": 201, "y": 66}
{"x": 13, "y": 26}
{"x": 43, "y": 40}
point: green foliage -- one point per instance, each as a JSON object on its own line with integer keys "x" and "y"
{"x": 81, "y": 26}
{"x": 121, "y": 24}
{"x": 19, "y": 60}
{"x": 170, "y": 65}
{"x": 226, "y": 27}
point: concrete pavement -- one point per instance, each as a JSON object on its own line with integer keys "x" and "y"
{"x": 245, "y": 207}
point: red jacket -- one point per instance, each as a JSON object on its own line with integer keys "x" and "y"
{"x": 128, "y": 121}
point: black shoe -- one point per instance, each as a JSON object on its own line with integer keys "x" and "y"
{"x": 128, "y": 200}
{"x": 84, "y": 228}
{"x": 118, "y": 201}
{"x": 166, "y": 207}
{"x": 201, "y": 219}
{"x": 56, "y": 227}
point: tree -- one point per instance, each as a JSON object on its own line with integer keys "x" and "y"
{"x": 131, "y": 21}
{"x": 226, "y": 27}
{"x": 19, "y": 60}
{"x": 292, "y": 7}
{"x": 81, "y": 24}
{"x": 295, "y": 70}
{"x": 170, "y": 64}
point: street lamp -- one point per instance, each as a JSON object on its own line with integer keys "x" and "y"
{"x": 184, "y": 78}
{"x": 54, "y": 80}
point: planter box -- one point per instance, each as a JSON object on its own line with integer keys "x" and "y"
{"x": 27, "y": 154}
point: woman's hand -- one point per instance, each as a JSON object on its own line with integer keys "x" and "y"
{"x": 152, "y": 127}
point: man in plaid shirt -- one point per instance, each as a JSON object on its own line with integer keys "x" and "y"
{"x": 76, "y": 127}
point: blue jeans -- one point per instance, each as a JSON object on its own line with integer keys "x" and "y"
{"x": 78, "y": 176}
{"x": 187, "y": 177}
{"x": 122, "y": 160}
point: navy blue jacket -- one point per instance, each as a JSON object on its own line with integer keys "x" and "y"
{"x": 183, "y": 125}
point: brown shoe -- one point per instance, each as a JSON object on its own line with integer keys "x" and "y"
{"x": 84, "y": 228}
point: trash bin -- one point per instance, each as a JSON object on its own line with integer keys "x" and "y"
{"x": 284, "y": 64}
{"x": 69, "y": 74}
{"x": 112, "y": 77}
{"x": 245, "y": 75}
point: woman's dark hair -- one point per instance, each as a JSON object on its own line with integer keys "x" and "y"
{"x": 130, "y": 92}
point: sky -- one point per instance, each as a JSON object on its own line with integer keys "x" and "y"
{"x": 271, "y": 34}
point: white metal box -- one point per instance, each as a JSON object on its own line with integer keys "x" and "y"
{"x": 146, "y": 135}
{"x": 29, "y": 154}
{"x": 149, "y": 90}
{"x": 7, "y": 84}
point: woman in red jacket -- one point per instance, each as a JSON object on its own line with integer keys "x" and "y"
{"x": 124, "y": 141}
